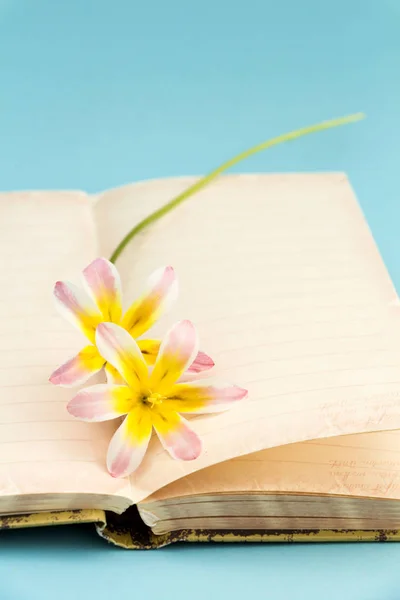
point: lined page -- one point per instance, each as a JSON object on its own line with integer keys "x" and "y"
{"x": 44, "y": 236}
{"x": 282, "y": 277}
{"x": 365, "y": 465}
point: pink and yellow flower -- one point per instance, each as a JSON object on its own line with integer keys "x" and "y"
{"x": 150, "y": 398}
{"x": 100, "y": 301}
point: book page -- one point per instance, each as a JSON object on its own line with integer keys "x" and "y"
{"x": 44, "y": 237}
{"x": 291, "y": 298}
{"x": 364, "y": 465}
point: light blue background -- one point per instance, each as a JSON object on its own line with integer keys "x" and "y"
{"x": 96, "y": 93}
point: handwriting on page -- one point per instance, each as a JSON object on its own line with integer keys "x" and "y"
{"x": 362, "y": 464}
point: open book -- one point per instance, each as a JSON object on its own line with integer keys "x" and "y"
{"x": 290, "y": 297}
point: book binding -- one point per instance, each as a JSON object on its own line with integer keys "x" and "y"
{"x": 128, "y": 531}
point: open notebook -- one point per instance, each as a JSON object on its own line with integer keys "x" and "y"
{"x": 284, "y": 282}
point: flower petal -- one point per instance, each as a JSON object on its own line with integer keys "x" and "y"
{"x": 113, "y": 376}
{"x": 101, "y": 402}
{"x": 102, "y": 281}
{"x": 201, "y": 363}
{"x": 129, "y": 443}
{"x": 176, "y": 354}
{"x": 78, "y": 370}
{"x": 120, "y": 349}
{"x": 175, "y": 435}
{"x": 200, "y": 397}
{"x": 77, "y": 307}
{"x": 150, "y": 350}
{"x": 162, "y": 290}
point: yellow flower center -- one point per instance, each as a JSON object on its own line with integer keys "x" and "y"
{"x": 152, "y": 399}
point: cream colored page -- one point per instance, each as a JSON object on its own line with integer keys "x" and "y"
{"x": 290, "y": 296}
{"x": 44, "y": 236}
{"x": 365, "y": 465}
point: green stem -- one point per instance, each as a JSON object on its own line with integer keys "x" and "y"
{"x": 204, "y": 181}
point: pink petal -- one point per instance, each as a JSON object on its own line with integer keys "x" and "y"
{"x": 129, "y": 444}
{"x": 201, "y": 398}
{"x": 119, "y": 348}
{"x": 77, "y": 370}
{"x": 77, "y": 307}
{"x": 102, "y": 281}
{"x": 177, "y": 352}
{"x": 176, "y": 436}
{"x": 161, "y": 292}
{"x": 101, "y": 402}
{"x": 202, "y": 362}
